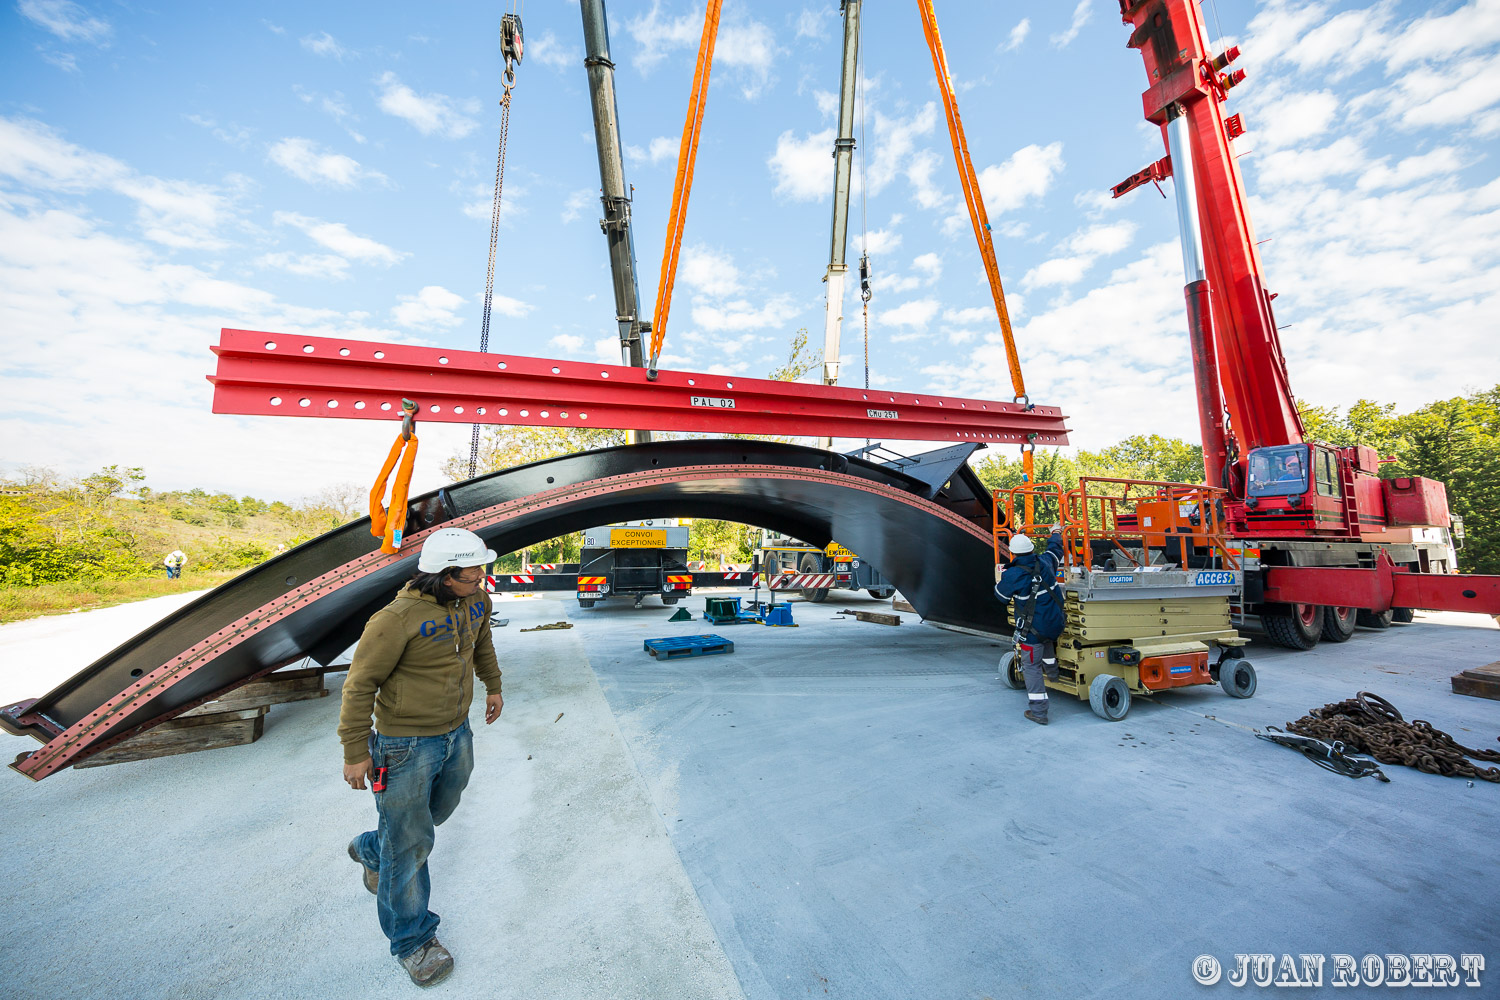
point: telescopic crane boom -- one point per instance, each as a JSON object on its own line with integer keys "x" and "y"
{"x": 614, "y": 193}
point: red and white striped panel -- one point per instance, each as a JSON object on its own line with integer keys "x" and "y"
{"x": 539, "y": 566}
{"x": 801, "y": 581}
{"x": 731, "y": 577}
{"x": 522, "y": 578}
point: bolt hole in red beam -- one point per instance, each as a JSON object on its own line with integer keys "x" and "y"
{"x": 253, "y": 377}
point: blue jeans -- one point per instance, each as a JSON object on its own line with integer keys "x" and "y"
{"x": 425, "y": 775}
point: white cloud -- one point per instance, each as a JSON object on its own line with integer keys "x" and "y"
{"x": 709, "y": 271}
{"x": 65, "y": 61}
{"x": 336, "y": 236}
{"x": 739, "y": 314}
{"x": 813, "y": 23}
{"x": 324, "y": 44}
{"x": 916, "y": 313}
{"x": 428, "y": 113}
{"x": 894, "y": 144}
{"x": 802, "y": 167}
{"x": 750, "y": 48}
{"x": 434, "y": 305}
{"x": 1082, "y": 249}
{"x": 970, "y": 316}
{"x": 883, "y": 241}
{"x": 574, "y": 205}
{"x": 504, "y": 305}
{"x": 310, "y": 265}
{"x": 931, "y": 266}
{"x": 1027, "y": 174}
{"x": 656, "y": 35}
{"x": 1017, "y": 35}
{"x": 567, "y": 343}
{"x": 1438, "y": 162}
{"x": 1081, "y": 15}
{"x": 173, "y": 213}
{"x": 663, "y": 147}
{"x": 66, "y": 20}
{"x": 547, "y": 50}
{"x": 308, "y": 161}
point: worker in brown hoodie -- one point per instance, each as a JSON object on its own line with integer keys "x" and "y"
{"x": 415, "y": 666}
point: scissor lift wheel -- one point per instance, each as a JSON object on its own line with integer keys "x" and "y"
{"x": 1237, "y": 678}
{"x": 1109, "y": 697}
{"x": 1010, "y": 670}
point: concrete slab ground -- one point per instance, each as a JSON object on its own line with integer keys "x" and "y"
{"x": 865, "y": 813}
{"x": 224, "y": 873}
{"x": 839, "y": 809}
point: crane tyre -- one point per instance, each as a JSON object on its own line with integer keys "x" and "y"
{"x": 818, "y": 596}
{"x": 1402, "y": 615}
{"x": 1300, "y": 626}
{"x": 1338, "y": 623}
{"x": 1370, "y": 619}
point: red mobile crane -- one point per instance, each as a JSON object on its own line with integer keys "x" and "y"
{"x": 1324, "y": 541}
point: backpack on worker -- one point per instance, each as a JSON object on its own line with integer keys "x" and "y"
{"x": 1024, "y": 607}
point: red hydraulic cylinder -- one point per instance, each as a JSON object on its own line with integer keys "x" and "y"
{"x": 276, "y": 374}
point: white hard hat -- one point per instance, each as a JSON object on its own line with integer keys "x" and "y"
{"x": 1019, "y": 545}
{"x": 453, "y": 548}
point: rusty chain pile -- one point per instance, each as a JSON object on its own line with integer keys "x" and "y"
{"x": 1371, "y": 725}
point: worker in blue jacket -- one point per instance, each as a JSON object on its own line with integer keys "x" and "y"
{"x": 1029, "y": 583}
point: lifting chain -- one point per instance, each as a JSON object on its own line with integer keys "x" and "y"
{"x": 1371, "y": 725}
{"x": 509, "y": 81}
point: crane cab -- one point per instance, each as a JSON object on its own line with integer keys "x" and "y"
{"x": 1310, "y": 490}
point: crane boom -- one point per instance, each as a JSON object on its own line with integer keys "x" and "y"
{"x": 614, "y": 193}
{"x": 843, "y": 161}
{"x": 1184, "y": 98}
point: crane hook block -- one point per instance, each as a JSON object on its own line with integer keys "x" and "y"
{"x": 510, "y": 38}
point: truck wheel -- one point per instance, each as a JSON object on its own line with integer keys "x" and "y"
{"x": 1010, "y": 670}
{"x": 1298, "y": 627}
{"x": 1237, "y": 678}
{"x": 587, "y": 604}
{"x": 882, "y": 593}
{"x": 1338, "y": 623}
{"x": 669, "y": 599}
{"x": 1370, "y": 619}
{"x": 1109, "y": 697}
{"x": 818, "y": 596}
{"x": 1402, "y": 615}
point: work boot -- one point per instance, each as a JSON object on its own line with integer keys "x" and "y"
{"x": 371, "y": 875}
{"x": 1039, "y": 719}
{"x": 429, "y": 964}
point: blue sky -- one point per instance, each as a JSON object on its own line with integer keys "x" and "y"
{"x": 328, "y": 169}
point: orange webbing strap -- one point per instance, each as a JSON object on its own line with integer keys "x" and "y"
{"x": 390, "y": 527}
{"x": 972, "y": 195}
{"x": 687, "y": 156}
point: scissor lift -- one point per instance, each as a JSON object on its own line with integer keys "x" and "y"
{"x": 1148, "y": 589}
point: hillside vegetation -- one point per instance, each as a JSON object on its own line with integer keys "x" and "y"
{"x": 71, "y": 543}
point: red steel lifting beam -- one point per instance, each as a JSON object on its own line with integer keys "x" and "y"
{"x": 278, "y": 374}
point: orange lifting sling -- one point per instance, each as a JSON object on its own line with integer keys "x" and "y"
{"x": 389, "y": 527}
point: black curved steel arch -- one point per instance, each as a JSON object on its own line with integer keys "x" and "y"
{"x": 315, "y": 599}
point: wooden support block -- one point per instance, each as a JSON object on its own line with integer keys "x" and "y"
{"x": 272, "y": 689}
{"x": 186, "y": 735}
{"x": 877, "y": 618}
{"x": 1479, "y": 682}
{"x": 899, "y": 604}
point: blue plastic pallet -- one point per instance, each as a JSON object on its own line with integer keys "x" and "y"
{"x": 688, "y": 645}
